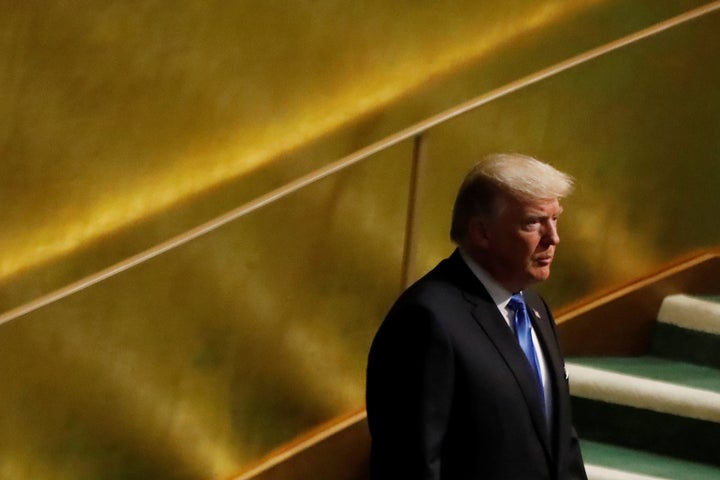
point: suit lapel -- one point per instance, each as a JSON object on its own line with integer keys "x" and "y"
{"x": 543, "y": 325}
{"x": 491, "y": 321}
{"x": 544, "y": 331}
{"x": 486, "y": 314}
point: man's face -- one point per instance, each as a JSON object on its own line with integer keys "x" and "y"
{"x": 518, "y": 244}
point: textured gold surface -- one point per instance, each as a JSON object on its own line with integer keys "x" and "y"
{"x": 127, "y": 122}
{"x": 125, "y": 110}
{"x": 637, "y": 128}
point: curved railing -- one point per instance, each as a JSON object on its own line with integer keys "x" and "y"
{"x": 416, "y": 132}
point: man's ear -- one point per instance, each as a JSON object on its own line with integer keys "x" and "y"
{"x": 478, "y": 232}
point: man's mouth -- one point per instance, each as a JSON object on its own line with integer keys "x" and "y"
{"x": 544, "y": 260}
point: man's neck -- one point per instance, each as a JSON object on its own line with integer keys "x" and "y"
{"x": 497, "y": 291}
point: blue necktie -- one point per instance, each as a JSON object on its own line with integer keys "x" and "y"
{"x": 523, "y": 332}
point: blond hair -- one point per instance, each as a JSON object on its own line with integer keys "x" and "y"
{"x": 520, "y": 176}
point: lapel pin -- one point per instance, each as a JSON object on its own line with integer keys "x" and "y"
{"x": 535, "y": 312}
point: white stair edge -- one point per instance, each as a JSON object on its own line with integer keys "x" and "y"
{"x": 618, "y": 388}
{"x": 596, "y": 472}
{"x": 690, "y": 312}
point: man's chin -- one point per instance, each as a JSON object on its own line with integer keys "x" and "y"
{"x": 540, "y": 274}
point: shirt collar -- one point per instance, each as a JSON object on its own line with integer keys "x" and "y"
{"x": 497, "y": 292}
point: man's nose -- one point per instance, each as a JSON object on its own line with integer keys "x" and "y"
{"x": 551, "y": 234}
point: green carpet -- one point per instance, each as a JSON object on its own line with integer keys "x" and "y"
{"x": 637, "y": 461}
{"x": 659, "y": 433}
{"x": 671, "y": 341}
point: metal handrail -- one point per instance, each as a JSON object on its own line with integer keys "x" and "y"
{"x": 413, "y": 131}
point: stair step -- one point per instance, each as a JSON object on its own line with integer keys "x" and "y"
{"x": 655, "y": 417}
{"x": 662, "y": 370}
{"x": 649, "y": 383}
{"x": 612, "y": 462}
{"x": 669, "y": 408}
{"x": 688, "y": 329}
{"x": 691, "y": 312}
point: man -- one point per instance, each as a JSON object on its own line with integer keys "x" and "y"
{"x": 451, "y": 392}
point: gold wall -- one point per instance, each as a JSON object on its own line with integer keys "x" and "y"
{"x": 125, "y": 123}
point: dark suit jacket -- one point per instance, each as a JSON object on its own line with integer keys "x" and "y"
{"x": 451, "y": 396}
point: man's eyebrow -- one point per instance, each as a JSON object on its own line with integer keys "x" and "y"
{"x": 542, "y": 214}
